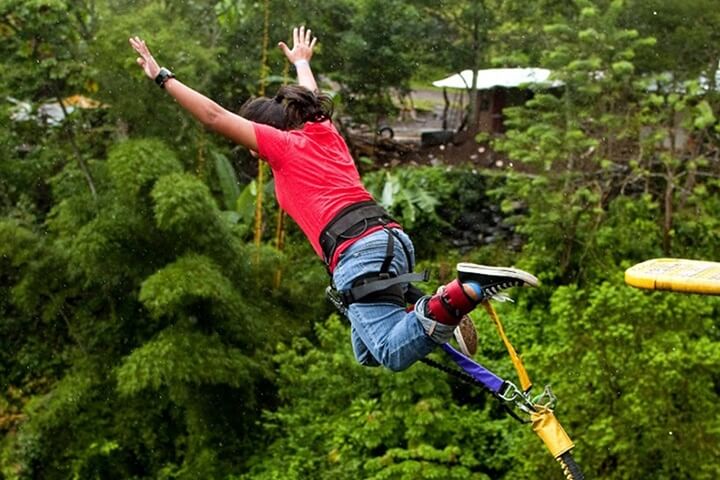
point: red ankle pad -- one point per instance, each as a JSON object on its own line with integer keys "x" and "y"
{"x": 449, "y": 306}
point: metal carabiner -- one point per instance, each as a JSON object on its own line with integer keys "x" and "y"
{"x": 546, "y": 400}
{"x": 513, "y": 395}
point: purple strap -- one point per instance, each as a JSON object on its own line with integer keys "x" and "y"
{"x": 491, "y": 381}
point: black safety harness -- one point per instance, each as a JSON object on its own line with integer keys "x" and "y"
{"x": 375, "y": 287}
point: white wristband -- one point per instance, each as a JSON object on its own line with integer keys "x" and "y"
{"x": 301, "y": 62}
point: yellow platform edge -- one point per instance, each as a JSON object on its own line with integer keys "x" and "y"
{"x": 677, "y": 275}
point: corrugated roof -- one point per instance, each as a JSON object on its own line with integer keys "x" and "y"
{"x": 498, "y": 77}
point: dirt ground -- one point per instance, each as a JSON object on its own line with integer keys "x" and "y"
{"x": 406, "y": 146}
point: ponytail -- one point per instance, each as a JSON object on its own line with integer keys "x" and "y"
{"x": 291, "y": 108}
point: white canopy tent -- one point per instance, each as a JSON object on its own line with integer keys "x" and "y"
{"x": 498, "y": 77}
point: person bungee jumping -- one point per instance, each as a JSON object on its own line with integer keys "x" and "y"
{"x": 367, "y": 253}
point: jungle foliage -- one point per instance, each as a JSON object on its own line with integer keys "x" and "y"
{"x": 144, "y": 335}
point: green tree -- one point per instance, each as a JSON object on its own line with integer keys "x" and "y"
{"x": 378, "y": 56}
{"x": 340, "y": 420}
{"x": 635, "y": 381}
{"x": 618, "y": 169}
{"x": 455, "y": 37}
{"x": 138, "y": 341}
{"x": 518, "y": 37}
{"x": 583, "y": 138}
{"x": 155, "y": 343}
{"x": 43, "y": 50}
{"x": 185, "y": 37}
{"x": 687, "y": 45}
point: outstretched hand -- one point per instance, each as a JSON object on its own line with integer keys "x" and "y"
{"x": 145, "y": 60}
{"x": 303, "y": 44}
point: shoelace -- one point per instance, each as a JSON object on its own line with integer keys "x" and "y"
{"x": 501, "y": 297}
{"x": 497, "y": 288}
{"x": 494, "y": 290}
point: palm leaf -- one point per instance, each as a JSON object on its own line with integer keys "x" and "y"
{"x": 229, "y": 184}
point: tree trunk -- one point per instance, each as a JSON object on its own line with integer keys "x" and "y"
{"x": 70, "y": 132}
{"x": 668, "y": 214}
{"x": 475, "y": 65}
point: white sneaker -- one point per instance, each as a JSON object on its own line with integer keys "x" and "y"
{"x": 494, "y": 280}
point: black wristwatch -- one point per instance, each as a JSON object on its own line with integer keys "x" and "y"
{"x": 163, "y": 76}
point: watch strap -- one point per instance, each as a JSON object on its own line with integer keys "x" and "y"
{"x": 163, "y": 76}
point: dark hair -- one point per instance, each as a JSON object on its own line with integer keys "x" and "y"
{"x": 291, "y": 108}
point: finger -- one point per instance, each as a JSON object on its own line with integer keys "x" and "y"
{"x": 314, "y": 41}
{"x": 301, "y": 34}
{"x": 295, "y": 36}
{"x": 308, "y": 35}
{"x": 140, "y": 61}
{"x": 137, "y": 45}
{"x": 284, "y": 47}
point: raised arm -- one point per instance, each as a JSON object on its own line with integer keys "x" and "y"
{"x": 300, "y": 55}
{"x": 209, "y": 113}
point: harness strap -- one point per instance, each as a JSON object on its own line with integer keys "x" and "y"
{"x": 376, "y": 283}
{"x": 404, "y": 247}
{"x": 481, "y": 374}
{"x": 351, "y": 222}
{"x": 385, "y": 286}
{"x": 389, "y": 253}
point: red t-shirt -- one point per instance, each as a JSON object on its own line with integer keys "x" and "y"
{"x": 315, "y": 176}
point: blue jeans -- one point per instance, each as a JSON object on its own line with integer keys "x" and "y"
{"x": 385, "y": 333}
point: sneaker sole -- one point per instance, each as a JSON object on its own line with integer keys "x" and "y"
{"x": 528, "y": 279}
{"x": 461, "y": 331}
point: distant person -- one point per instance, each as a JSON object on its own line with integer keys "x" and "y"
{"x": 317, "y": 183}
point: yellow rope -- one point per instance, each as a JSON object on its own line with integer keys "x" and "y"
{"x": 261, "y": 167}
{"x": 259, "y": 203}
{"x": 545, "y": 425}
{"x": 266, "y": 40}
{"x": 280, "y": 225}
{"x": 279, "y": 244}
{"x": 525, "y": 382}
